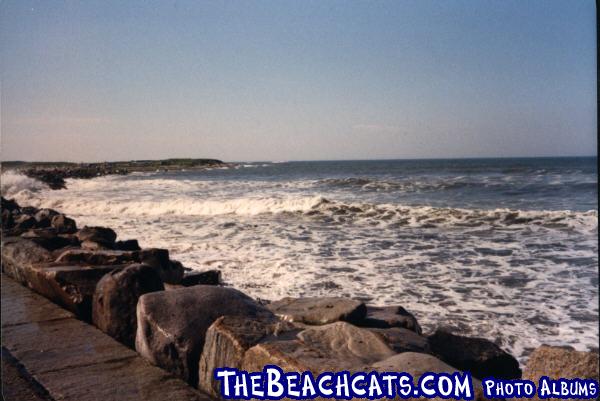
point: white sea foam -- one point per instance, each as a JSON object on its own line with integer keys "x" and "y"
{"x": 519, "y": 277}
{"x": 18, "y": 185}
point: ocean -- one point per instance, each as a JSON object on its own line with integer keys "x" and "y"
{"x": 505, "y": 249}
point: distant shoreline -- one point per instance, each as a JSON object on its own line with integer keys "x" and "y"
{"x": 54, "y": 173}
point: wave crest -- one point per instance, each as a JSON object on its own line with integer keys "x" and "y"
{"x": 319, "y": 207}
{"x": 18, "y": 185}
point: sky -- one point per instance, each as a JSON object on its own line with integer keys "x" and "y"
{"x": 296, "y": 80}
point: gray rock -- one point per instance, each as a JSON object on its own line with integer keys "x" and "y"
{"x": 227, "y": 340}
{"x": 69, "y": 286}
{"x": 208, "y": 277}
{"x": 29, "y": 210}
{"x": 44, "y": 217}
{"x": 96, "y": 257}
{"x": 332, "y": 347}
{"x": 355, "y": 346}
{"x": 560, "y": 362}
{"x": 63, "y": 224}
{"x": 72, "y": 287}
{"x": 479, "y": 356}
{"x": 94, "y": 246}
{"x": 18, "y": 254}
{"x": 170, "y": 272}
{"x": 24, "y": 222}
{"x": 319, "y": 310}
{"x": 403, "y": 340}
{"x": 101, "y": 235}
{"x": 290, "y": 355}
{"x": 48, "y": 238}
{"x": 127, "y": 245}
{"x": 416, "y": 364}
{"x": 115, "y": 300}
{"x": 390, "y": 316}
{"x": 171, "y": 325}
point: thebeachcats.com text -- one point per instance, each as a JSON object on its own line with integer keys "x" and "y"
{"x": 272, "y": 383}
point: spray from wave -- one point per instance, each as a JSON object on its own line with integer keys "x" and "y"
{"x": 16, "y": 185}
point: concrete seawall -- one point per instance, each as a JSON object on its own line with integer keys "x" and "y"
{"x": 73, "y": 360}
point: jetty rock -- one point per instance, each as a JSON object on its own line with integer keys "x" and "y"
{"x": 249, "y": 344}
{"x": 390, "y": 316}
{"x": 169, "y": 271}
{"x": 102, "y": 235}
{"x": 228, "y": 339}
{"x": 561, "y": 362}
{"x": 49, "y": 239}
{"x": 172, "y": 325}
{"x": 18, "y": 254}
{"x": 208, "y": 277}
{"x": 127, "y": 245}
{"x": 44, "y": 217}
{"x": 416, "y": 364}
{"x": 316, "y": 311}
{"x": 479, "y": 356}
{"x": 115, "y": 300}
{"x": 63, "y": 224}
{"x": 403, "y": 340}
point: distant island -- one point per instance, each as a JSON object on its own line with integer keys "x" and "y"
{"x": 54, "y": 173}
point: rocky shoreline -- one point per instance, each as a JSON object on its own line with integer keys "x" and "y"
{"x": 189, "y": 323}
{"x": 55, "y": 174}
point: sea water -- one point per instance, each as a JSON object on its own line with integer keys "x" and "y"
{"x": 504, "y": 249}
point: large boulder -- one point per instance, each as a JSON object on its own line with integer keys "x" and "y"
{"x": 560, "y": 362}
{"x": 115, "y": 300}
{"x": 355, "y": 346}
{"x": 228, "y": 339}
{"x": 99, "y": 257}
{"x": 102, "y": 235}
{"x": 390, "y": 316}
{"x": 169, "y": 271}
{"x": 417, "y": 364}
{"x": 49, "y": 239}
{"x": 63, "y": 225}
{"x": 18, "y": 254}
{"x": 479, "y": 356}
{"x": 317, "y": 311}
{"x": 44, "y": 217}
{"x": 127, "y": 245}
{"x": 72, "y": 287}
{"x": 290, "y": 355}
{"x": 24, "y": 222}
{"x": 29, "y": 210}
{"x": 332, "y": 347}
{"x": 208, "y": 277}
{"x": 403, "y": 340}
{"x": 171, "y": 325}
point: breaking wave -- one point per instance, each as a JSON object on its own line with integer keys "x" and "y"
{"x": 16, "y": 185}
{"x": 485, "y": 271}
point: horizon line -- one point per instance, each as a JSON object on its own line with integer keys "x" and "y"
{"x": 312, "y": 160}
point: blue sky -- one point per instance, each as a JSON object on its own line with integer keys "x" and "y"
{"x": 296, "y": 80}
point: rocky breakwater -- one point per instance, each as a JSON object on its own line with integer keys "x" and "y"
{"x": 189, "y": 324}
{"x": 55, "y": 177}
{"x": 55, "y": 174}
